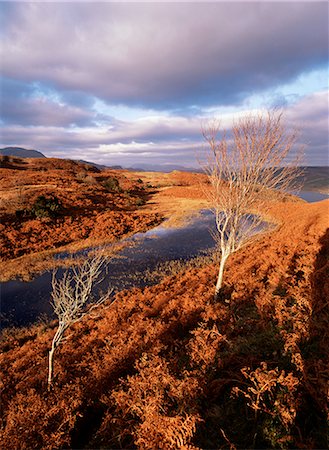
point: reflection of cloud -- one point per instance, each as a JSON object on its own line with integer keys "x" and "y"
{"x": 163, "y": 139}
{"x": 160, "y": 55}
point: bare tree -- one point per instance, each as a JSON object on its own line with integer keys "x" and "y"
{"x": 243, "y": 169}
{"x": 72, "y": 299}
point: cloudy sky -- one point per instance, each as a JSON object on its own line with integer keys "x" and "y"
{"x": 131, "y": 83}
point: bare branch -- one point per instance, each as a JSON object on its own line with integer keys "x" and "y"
{"x": 72, "y": 298}
{"x": 259, "y": 157}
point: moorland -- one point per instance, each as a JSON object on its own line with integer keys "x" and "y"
{"x": 165, "y": 366}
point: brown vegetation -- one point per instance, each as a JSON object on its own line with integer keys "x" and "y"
{"x": 241, "y": 170}
{"x": 166, "y": 367}
{"x": 53, "y": 204}
{"x": 93, "y": 211}
{"x": 178, "y": 196}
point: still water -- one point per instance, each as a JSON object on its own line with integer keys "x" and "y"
{"x": 23, "y": 302}
{"x": 312, "y": 197}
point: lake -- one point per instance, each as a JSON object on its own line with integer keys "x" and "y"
{"x": 23, "y": 302}
{"x": 312, "y": 197}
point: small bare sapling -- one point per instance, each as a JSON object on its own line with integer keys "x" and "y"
{"x": 257, "y": 157}
{"x": 72, "y": 299}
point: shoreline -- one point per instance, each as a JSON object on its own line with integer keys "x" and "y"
{"x": 179, "y": 198}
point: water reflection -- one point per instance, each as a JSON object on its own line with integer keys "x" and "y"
{"x": 312, "y": 197}
{"x": 23, "y": 302}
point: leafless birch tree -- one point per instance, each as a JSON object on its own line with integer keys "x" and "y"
{"x": 72, "y": 299}
{"x": 243, "y": 168}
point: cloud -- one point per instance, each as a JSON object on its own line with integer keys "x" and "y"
{"x": 156, "y": 128}
{"x": 123, "y": 83}
{"x": 163, "y": 139}
{"x": 30, "y": 105}
{"x": 310, "y": 115}
{"x": 164, "y": 55}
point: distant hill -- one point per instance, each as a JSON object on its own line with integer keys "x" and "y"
{"x": 165, "y": 168}
{"x": 99, "y": 166}
{"x": 21, "y": 152}
{"x": 316, "y": 178}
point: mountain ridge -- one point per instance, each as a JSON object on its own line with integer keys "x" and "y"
{"x": 21, "y": 152}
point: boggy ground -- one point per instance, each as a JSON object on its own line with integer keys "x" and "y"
{"x": 89, "y": 209}
{"x": 93, "y": 211}
{"x": 167, "y": 367}
{"x": 92, "y": 208}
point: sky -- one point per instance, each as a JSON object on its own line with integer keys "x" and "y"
{"x": 132, "y": 84}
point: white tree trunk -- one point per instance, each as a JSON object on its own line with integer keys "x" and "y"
{"x": 50, "y": 366}
{"x": 56, "y": 340}
{"x": 220, "y": 275}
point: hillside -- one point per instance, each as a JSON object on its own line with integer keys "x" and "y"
{"x": 316, "y": 179}
{"x": 166, "y": 367}
{"x": 50, "y": 205}
{"x": 313, "y": 178}
{"x": 20, "y": 152}
{"x": 53, "y": 205}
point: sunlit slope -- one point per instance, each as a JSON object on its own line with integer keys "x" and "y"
{"x": 166, "y": 366}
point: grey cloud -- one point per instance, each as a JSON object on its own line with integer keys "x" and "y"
{"x": 310, "y": 115}
{"x": 174, "y": 139}
{"x": 156, "y": 129}
{"x": 45, "y": 112}
{"x": 166, "y": 55}
{"x": 29, "y": 104}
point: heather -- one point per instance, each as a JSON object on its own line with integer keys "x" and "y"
{"x": 52, "y": 205}
{"x": 168, "y": 367}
